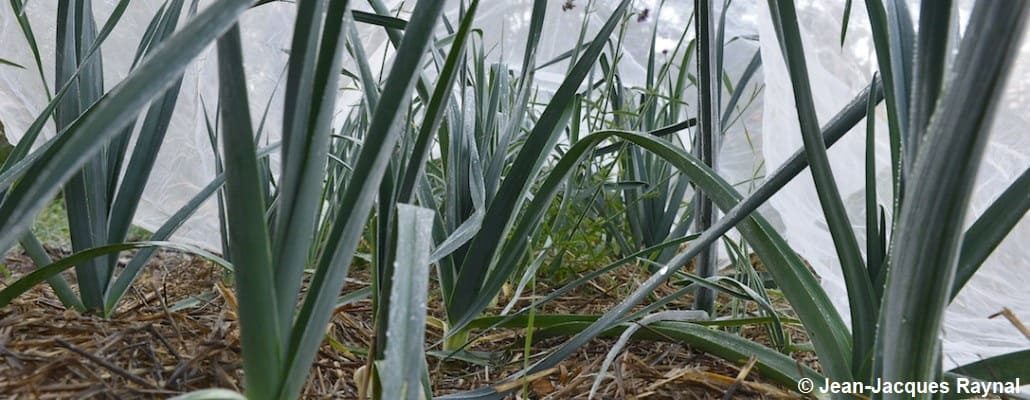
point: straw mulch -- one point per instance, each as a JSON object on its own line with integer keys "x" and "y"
{"x": 176, "y": 332}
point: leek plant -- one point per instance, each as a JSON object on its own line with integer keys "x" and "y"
{"x": 409, "y": 178}
{"x": 101, "y": 198}
{"x": 895, "y": 332}
{"x": 279, "y": 347}
{"x": 463, "y": 173}
{"x": 709, "y": 68}
{"x": 653, "y": 191}
{"x": 490, "y": 260}
{"x": 898, "y": 300}
{"x": 493, "y": 147}
{"x": 279, "y": 340}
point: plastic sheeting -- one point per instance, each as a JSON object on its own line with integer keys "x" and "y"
{"x": 186, "y": 164}
{"x": 838, "y": 75}
{"x": 765, "y": 136}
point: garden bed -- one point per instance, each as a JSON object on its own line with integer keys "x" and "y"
{"x": 176, "y": 333}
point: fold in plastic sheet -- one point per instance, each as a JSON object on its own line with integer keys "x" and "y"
{"x": 765, "y": 135}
